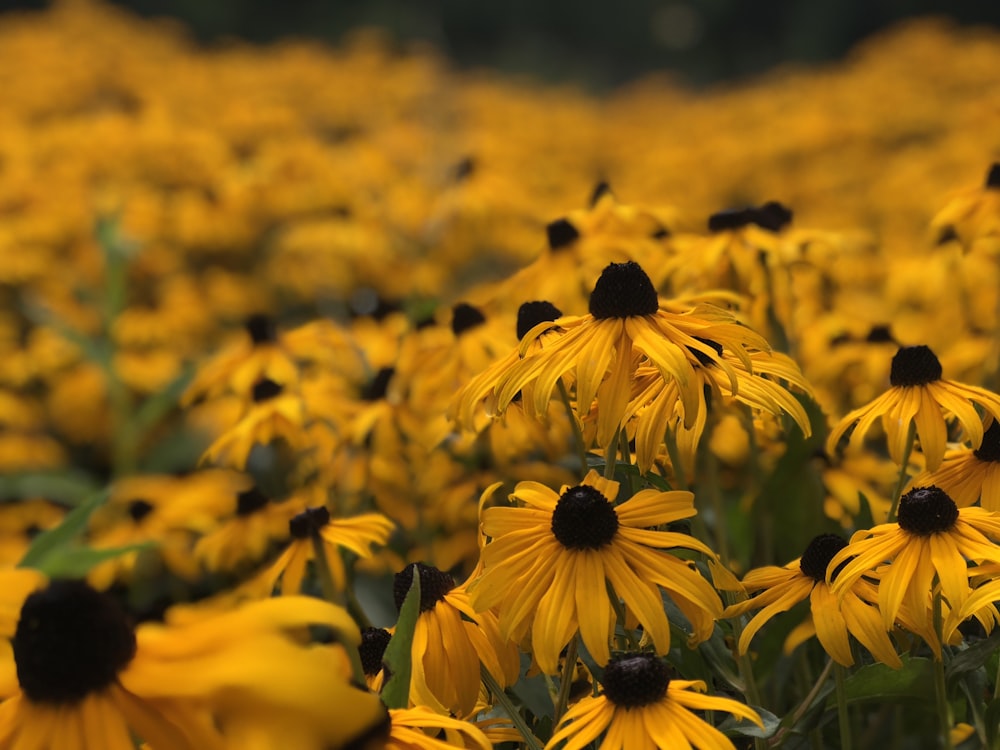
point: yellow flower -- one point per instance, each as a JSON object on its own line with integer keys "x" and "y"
{"x": 642, "y": 707}
{"x": 548, "y": 566}
{"x": 968, "y": 475}
{"x": 450, "y": 641}
{"x": 87, "y": 679}
{"x": 420, "y": 728}
{"x": 932, "y": 541}
{"x": 832, "y": 620}
{"x": 625, "y": 329}
{"x": 356, "y": 534}
{"x": 919, "y": 396}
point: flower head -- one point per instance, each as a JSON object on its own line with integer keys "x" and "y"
{"x": 641, "y": 706}
{"x": 549, "y": 563}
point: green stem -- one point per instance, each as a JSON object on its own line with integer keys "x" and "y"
{"x": 897, "y": 491}
{"x": 805, "y": 704}
{"x": 566, "y": 679}
{"x": 581, "y": 448}
{"x": 940, "y": 686}
{"x": 680, "y": 476}
{"x": 843, "y": 717}
{"x": 610, "y": 459}
{"x": 626, "y": 455}
{"x": 504, "y": 700}
{"x": 619, "y": 609}
{"x": 326, "y": 583}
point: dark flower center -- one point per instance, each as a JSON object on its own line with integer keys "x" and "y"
{"x": 914, "y": 365}
{"x": 309, "y": 521}
{"x": 261, "y": 329}
{"x": 993, "y": 176}
{"x": 634, "y": 681}
{"x": 379, "y": 385}
{"x": 623, "y": 290}
{"x": 561, "y": 234}
{"x": 250, "y": 501}
{"x": 990, "y": 448}
{"x": 584, "y": 519}
{"x": 71, "y": 641}
{"x": 772, "y": 216}
{"x": 434, "y": 584}
{"x": 372, "y": 649}
{"x": 139, "y": 509}
{"x": 730, "y": 218}
{"x": 601, "y": 189}
{"x": 816, "y": 559}
{"x": 266, "y": 389}
{"x": 464, "y": 169}
{"x": 530, "y": 314}
{"x": 880, "y": 334}
{"x": 926, "y": 510}
{"x": 464, "y": 317}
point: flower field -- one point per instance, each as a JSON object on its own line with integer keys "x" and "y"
{"x": 348, "y": 400}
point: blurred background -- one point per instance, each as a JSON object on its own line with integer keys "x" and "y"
{"x": 598, "y": 44}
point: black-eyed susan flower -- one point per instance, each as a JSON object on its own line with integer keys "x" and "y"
{"x": 548, "y": 564}
{"x": 450, "y": 641}
{"x": 421, "y": 728}
{"x": 968, "y": 474}
{"x": 919, "y": 396}
{"x": 255, "y": 521}
{"x": 640, "y": 706}
{"x": 86, "y": 678}
{"x": 624, "y": 329}
{"x": 832, "y": 621}
{"x": 357, "y": 534}
{"x": 931, "y": 542}
{"x": 374, "y": 641}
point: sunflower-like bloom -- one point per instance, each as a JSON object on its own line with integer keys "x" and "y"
{"x": 244, "y": 679}
{"x": 548, "y": 566}
{"x": 972, "y": 216}
{"x": 657, "y": 405}
{"x": 420, "y": 728}
{"x": 933, "y": 539}
{"x": 919, "y": 396}
{"x": 968, "y": 475}
{"x": 642, "y": 708}
{"x": 778, "y": 589}
{"x": 625, "y": 329}
{"x": 450, "y": 641}
{"x": 274, "y": 413}
{"x": 356, "y": 534}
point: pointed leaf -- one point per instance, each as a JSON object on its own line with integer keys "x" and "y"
{"x": 399, "y": 653}
{"x": 53, "y": 541}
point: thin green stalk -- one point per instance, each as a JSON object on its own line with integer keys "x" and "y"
{"x": 940, "y": 686}
{"x": 511, "y": 710}
{"x": 843, "y": 717}
{"x": 619, "y": 609}
{"x": 897, "y": 492}
{"x": 610, "y": 459}
{"x": 323, "y": 572}
{"x": 581, "y": 448}
{"x": 804, "y": 706}
{"x": 566, "y": 679}
{"x": 680, "y": 476}
{"x": 626, "y": 455}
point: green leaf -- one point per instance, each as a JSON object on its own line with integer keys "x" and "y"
{"x": 398, "y": 654}
{"x": 65, "y": 487}
{"x": 157, "y": 406}
{"x": 878, "y": 682}
{"x": 735, "y": 727}
{"x": 973, "y": 657}
{"x": 75, "y": 561}
{"x": 50, "y": 544}
{"x": 991, "y": 718}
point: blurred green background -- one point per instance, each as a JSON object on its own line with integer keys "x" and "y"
{"x": 598, "y": 44}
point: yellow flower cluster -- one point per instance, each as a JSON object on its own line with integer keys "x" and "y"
{"x": 309, "y": 315}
